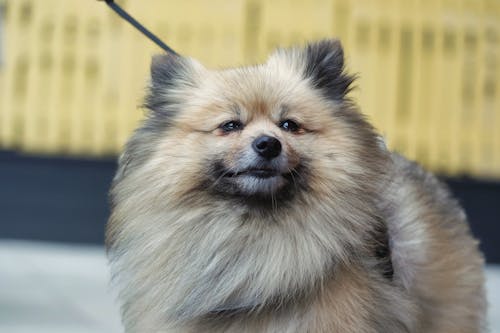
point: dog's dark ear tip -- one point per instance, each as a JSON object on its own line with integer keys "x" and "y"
{"x": 330, "y": 45}
{"x": 163, "y": 58}
{"x": 164, "y": 67}
{"x": 325, "y": 51}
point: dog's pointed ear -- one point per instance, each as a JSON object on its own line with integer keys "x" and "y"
{"x": 168, "y": 68}
{"x": 322, "y": 63}
{"x": 170, "y": 74}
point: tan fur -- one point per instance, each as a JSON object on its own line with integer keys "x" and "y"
{"x": 188, "y": 256}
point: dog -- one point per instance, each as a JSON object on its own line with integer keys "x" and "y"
{"x": 259, "y": 199}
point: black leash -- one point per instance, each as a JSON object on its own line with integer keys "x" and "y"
{"x": 123, "y": 14}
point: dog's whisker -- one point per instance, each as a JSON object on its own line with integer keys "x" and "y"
{"x": 224, "y": 174}
{"x": 291, "y": 172}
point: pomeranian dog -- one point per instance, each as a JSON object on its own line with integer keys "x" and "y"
{"x": 259, "y": 199}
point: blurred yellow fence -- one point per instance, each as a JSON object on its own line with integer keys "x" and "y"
{"x": 72, "y": 74}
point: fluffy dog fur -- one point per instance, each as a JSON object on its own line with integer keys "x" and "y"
{"x": 335, "y": 234}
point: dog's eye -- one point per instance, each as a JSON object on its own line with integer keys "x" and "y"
{"x": 231, "y": 126}
{"x": 289, "y": 125}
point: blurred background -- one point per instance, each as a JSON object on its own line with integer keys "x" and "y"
{"x": 72, "y": 76}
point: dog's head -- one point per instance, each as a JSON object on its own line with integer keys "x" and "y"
{"x": 262, "y": 134}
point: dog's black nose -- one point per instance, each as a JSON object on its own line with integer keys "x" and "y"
{"x": 267, "y": 146}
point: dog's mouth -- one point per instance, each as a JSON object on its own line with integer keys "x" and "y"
{"x": 258, "y": 182}
{"x": 255, "y": 172}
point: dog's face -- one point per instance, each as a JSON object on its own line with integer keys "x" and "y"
{"x": 263, "y": 134}
{"x": 256, "y": 133}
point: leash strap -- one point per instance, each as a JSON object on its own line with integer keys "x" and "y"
{"x": 123, "y": 14}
